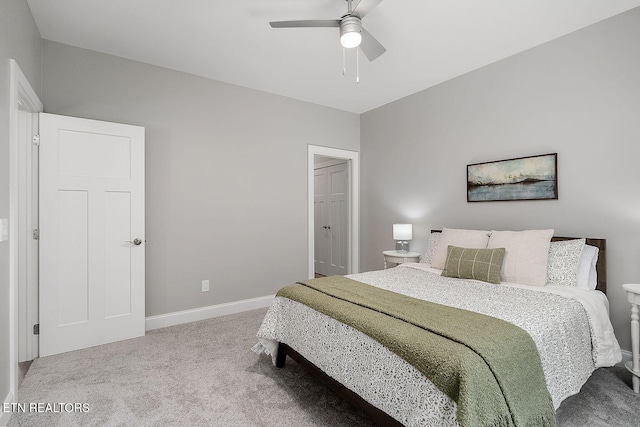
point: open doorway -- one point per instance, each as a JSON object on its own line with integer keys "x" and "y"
{"x": 333, "y": 211}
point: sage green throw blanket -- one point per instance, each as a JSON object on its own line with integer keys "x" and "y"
{"x": 488, "y": 366}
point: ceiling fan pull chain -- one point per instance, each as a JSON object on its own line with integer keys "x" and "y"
{"x": 357, "y": 67}
{"x": 344, "y": 66}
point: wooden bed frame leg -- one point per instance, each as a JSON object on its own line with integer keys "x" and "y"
{"x": 282, "y": 355}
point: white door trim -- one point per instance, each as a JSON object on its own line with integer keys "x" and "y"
{"x": 354, "y": 211}
{"x": 21, "y": 94}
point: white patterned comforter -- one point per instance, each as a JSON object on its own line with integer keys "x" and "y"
{"x": 569, "y": 326}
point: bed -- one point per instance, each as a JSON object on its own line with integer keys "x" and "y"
{"x": 566, "y": 329}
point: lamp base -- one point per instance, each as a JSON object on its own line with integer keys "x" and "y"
{"x": 402, "y": 247}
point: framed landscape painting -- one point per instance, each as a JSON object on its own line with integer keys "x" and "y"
{"x": 524, "y": 178}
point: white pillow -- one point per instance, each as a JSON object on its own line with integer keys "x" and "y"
{"x": 587, "y": 274}
{"x": 473, "y": 239}
{"x": 564, "y": 259}
{"x": 432, "y": 244}
{"x": 527, "y": 252}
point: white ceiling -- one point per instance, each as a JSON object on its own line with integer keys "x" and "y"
{"x": 427, "y": 41}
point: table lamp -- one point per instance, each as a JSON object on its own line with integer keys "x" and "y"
{"x": 402, "y": 233}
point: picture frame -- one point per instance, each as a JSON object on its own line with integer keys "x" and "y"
{"x": 522, "y": 178}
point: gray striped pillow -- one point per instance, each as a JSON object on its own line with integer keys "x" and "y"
{"x": 478, "y": 264}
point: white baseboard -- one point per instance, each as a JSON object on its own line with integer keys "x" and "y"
{"x": 202, "y": 313}
{"x": 6, "y": 416}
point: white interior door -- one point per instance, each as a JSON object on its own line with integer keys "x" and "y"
{"x": 331, "y": 213}
{"x": 91, "y": 233}
{"x": 322, "y": 233}
{"x": 338, "y": 195}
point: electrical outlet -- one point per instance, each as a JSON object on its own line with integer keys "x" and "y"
{"x": 205, "y": 286}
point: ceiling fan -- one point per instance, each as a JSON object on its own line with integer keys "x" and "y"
{"x": 352, "y": 34}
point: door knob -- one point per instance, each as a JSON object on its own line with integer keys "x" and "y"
{"x": 135, "y": 241}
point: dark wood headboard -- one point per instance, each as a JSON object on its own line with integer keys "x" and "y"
{"x": 601, "y": 265}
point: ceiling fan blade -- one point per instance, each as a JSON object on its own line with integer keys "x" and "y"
{"x": 306, "y": 23}
{"x": 370, "y": 46}
{"x": 364, "y": 7}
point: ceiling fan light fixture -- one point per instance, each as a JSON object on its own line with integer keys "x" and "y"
{"x": 350, "y": 32}
{"x": 350, "y": 40}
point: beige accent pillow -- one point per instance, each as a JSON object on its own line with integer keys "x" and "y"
{"x": 526, "y": 257}
{"x": 474, "y": 239}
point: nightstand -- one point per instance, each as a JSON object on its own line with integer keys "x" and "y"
{"x": 399, "y": 258}
{"x": 633, "y": 295}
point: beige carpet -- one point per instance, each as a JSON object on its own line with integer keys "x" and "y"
{"x": 204, "y": 374}
{"x": 197, "y": 374}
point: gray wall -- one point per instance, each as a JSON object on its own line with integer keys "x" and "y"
{"x": 226, "y": 172}
{"x": 20, "y": 40}
{"x": 578, "y": 96}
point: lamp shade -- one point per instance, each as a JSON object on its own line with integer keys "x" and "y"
{"x": 402, "y": 231}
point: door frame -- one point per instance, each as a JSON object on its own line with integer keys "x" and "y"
{"x": 353, "y": 160}
{"x": 21, "y": 94}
